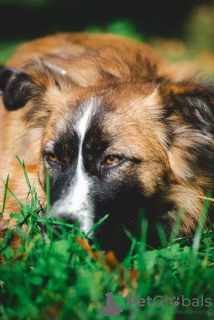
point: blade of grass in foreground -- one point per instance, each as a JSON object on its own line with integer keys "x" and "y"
{"x": 195, "y": 247}
{"x": 25, "y": 173}
{"x": 134, "y": 243}
{"x": 162, "y": 235}
{"x": 97, "y": 224}
{"x": 5, "y": 194}
{"x": 55, "y": 222}
{"x": 142, "y": 248}
{"x": 32, "y": 193}
{"x": 16, "y": 199}
{"x": 30, "y": 221}
{"x": 49, "y": 232}
{"x": 177, "y": 225}
{"x": 13, "y": 195}
{"x": 198, "y": 234}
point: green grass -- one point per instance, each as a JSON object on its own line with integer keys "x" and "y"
{"x": 62, "y": 278}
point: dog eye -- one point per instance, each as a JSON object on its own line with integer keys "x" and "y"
{"x": 51, "y": 157}
{"x": 109, "y": 160}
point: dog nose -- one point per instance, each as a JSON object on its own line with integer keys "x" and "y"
{"x": 61, "y": 223}
{"x": 60, "y": 219}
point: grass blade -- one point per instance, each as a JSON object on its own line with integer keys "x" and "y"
{"x": 25, "y": 173}
{"x": 5, "y": 194}
{"x": 97, "y": 224}
{"x": 49, "y": 233}
{"x": 198, "y": 234}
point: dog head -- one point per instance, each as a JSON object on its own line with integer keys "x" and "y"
{"x": 117, "y": 146}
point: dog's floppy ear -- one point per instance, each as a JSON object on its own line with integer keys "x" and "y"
{"x": 5, "y": 74}
{"x": 189, "y": 116}
{"x": 194, "y": 103}
{"x": 17, "y": 88}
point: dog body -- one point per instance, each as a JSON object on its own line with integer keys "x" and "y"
{"x": 119, "y": 128}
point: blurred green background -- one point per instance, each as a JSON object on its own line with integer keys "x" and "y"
{"x": 179, "y": 30}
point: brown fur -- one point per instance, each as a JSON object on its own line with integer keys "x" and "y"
{"x": 143, "y": 90}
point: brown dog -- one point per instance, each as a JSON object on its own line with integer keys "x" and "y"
{"x": 119, "y": 128}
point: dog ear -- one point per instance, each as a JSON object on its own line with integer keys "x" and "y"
{"x": 5, "y": 74}
{"x": 17, "y": 88}
{"x": 194, "y": 103}
{"x": 189, "y": 117}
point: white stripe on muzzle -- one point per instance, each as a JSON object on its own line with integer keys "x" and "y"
{"x": 76, "y": 202}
